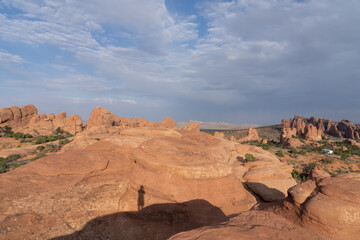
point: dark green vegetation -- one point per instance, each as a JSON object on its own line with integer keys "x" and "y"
{"x": 249, "y": 157}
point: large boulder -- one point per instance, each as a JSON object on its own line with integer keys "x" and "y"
{"x": 168, "y": 122}
{"x": 101, "y": 117}
{"x": 330, "y": 208}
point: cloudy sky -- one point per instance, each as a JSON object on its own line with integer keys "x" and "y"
{"x": 241, "y": 61}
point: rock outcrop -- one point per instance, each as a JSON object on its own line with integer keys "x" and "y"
{"x": 329, "y": 206}
{"x": 315, "y": 129}
{"x": 252, "y": 135}
{"x": 193, "y": 127}
{"x": 26, "y": 120}
{"x": 251, "y": 225}
{"x": 288, "y": 137}
{"x": 100, "y": 173}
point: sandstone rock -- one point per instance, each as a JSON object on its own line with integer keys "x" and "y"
{"x": 233, "y": 139}
{"x": 286, "y": 123}
{"x": 331, "y": 210}
{"x": 267, "y": 176}
{"x": 299, "y": 193}
{"x": 252, "y": 135}
{"x": 343, "y": 148}
{"x": 28, "y": 111}
{"x": 264, "y": 141}
{"x": 17, "y": 113}
{"x": 51, "y": 116}
{"x": 299, "y": 124}
{"x": 6, "y": 115}
{"x": 103, "y": 117}
{"x": 168, "y": 122}
{"x": 193, "y": 127}
{"x": 287, "y": 137}
{"x": 333, "y": 131}
{"x": 250, "y": 225}
{"x": 219, "y": 134}
{"x": 318, "y": 173}
{"x": 312, "y": 133}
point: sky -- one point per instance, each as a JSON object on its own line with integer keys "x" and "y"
{"x": 236, "y": 61}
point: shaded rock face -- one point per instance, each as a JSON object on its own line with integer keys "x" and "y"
{"x": 250, "y": 225}
{"x": 329, "y": 206}
{"x": 312, "y": 133}
{"x": 61, "y": 194}
{"x": 306, "y": 128}
{"x": 252, "y": 135}
{"x": 158, "y": 221}
{"x": 287, "y": 137}
{"x": 26, "y": 120}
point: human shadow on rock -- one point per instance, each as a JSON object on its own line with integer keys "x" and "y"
{"x": 157, "y": 221}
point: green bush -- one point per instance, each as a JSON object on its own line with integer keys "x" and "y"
{"x": 249, "y": 157}
{"x": 307, "y": 169}
{"x": 3, "y": 165}
{"x": 97, "y": 139}
{"x": 298, "y": 176}
{"x": 280, "y": 153}
{"x": 7, "y": 128}
{"x": 12, "y": 157}
{"x": 40, "y": 148}
{"x": 52, "y": 147}
{"x": 41, "y": 139}
{"x": 18, "y": 135}
{"x": 328, "y": 160}
{"x": 28, "y": 135}
{"x": 265, "y": 146}
{"x": 63, "y": 142}
{"x": 302, "y": 152}
{"x": 59, "y": 131}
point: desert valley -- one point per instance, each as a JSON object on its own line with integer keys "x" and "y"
{"x": 120, "y": 178}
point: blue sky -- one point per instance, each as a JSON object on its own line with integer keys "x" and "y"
{"x": 237, "y": 61}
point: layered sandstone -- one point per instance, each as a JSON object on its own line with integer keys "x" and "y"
{"x": 102, "y": 170}
{"x": 26, "y": 120}
{"x": 252, "y": 135}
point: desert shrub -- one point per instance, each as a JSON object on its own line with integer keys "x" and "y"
{"x": 28, "y": 135}
{"x": 328, "y": 160}
{"x": 307, "y": 168}
{"x": 52, "y": 147}
{"x": 18, "y": 135}
{"x": 3, "y": 165}
{"x": 12, "y": 157}
{"x": 97, "y": 139}
{"x": 7, "y": 128}
{"x": 298, "y": 176}
{"x": 39, "y": 155}
{"x": 341, "y": 171}
{"x": 25, "y": 140}
{"x": 249, "y": 157}
{"x": 59, "y": 131}
{"x": 64, "y": 141}
{"x": 41, "y": 139}
{"x": 293, "y": 136}
{"x": 293, "y": 151}
{"x": 265, "y": 146}
{"x": 40, "y": 148}
{"x": 280, "y": 153}
{"x": 302, "y": 152}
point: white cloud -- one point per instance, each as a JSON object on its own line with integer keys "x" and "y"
{"x": 7, "y": 57}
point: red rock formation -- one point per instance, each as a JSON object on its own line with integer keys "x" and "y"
{"x": 286, "y": 123}
{"x": 103, "y": 117}
{"x": 252, "y": 135}
{"x": 193, "y": 127}
{"x": 312, "y": 133}
{"x": 219, "y": 134}
{"x": 168, "y": 122}
{"x": 299, "y": 124}
{"x": 287, "y": 137}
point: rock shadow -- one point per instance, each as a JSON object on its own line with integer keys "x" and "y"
{"x": 264, "y": 192}
{"x": 158, "y": 221}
